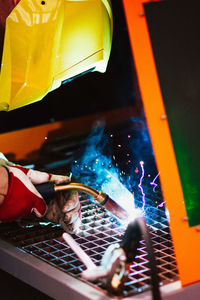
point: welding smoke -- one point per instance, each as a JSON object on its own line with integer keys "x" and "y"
{"x": 110, "y": 161}
{"x": 95, "y": 168}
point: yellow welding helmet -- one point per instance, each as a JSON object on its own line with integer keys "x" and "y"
{"x": 48, "y": 42}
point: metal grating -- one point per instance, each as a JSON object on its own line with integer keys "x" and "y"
{"x": 98, "y": 231}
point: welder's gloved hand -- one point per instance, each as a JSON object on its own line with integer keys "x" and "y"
{"x": 65, "y": 209}
{"x": 22, "y": 197}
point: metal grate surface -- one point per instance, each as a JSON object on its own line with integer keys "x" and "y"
{"x": 98, "y": 231}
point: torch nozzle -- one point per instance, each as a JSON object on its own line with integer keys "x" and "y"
{"x": 115, "y": 208}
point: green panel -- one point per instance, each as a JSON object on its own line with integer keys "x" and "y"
{"x": 174, "y": 30}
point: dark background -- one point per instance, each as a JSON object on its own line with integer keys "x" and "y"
{"x": 12, "y": 288}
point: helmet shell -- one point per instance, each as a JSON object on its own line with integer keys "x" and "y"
{"x": 49, "y": 42}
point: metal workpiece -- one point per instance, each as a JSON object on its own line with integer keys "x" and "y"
{"x": 111, "y": 269}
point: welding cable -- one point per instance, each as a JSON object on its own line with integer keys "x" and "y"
{"x": 151, "y": 258}
{"x": 130, "y": 242}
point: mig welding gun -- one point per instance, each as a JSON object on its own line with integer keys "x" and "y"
{"x": 48, "y": 190}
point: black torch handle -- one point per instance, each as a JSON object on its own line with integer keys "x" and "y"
{"x": 130, "y": 240}
{"x": 46, "y": 190}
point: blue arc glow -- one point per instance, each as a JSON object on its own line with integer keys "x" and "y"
{"x": 107, "y": 163}
{"x": 118, "y": 192}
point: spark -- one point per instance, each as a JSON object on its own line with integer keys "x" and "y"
{"x": 161, "y": 204}
{"x": 140, "y": 184}
{"x": 136, "y": 170}
{"x": 153, "y": 182}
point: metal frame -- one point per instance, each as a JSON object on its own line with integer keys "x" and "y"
{"x": 60, "y": 286}
{"x": 44, "y": 277}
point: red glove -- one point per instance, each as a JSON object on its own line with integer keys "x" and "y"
{"x": 22, "y": 197}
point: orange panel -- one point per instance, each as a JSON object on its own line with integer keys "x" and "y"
{"x": 186, "y": 240}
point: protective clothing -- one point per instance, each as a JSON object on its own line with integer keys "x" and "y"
{"x": 22, "y": 198}
{"x": 65, "y": 209}
{"x": 51, "y": 42}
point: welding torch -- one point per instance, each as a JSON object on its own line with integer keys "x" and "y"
{"x": 48, "y": 190}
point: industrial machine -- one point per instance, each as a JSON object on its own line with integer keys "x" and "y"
{"x": 135, "y": 129}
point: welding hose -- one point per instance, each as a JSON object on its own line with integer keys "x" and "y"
{"x": 130, "y": 242}
{"x": 48, "y": 190}
{"x": 151, "y": 258}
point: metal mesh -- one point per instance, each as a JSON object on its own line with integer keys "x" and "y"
{"x": 98, "y": 231}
